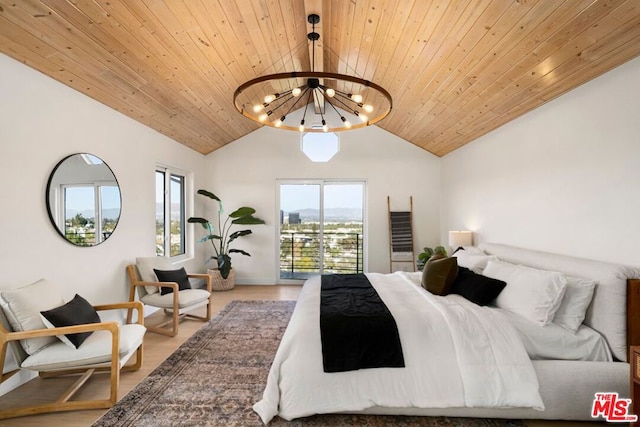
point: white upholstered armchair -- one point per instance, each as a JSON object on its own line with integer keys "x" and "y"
{"x": 54, "y": 338}
{"x": 159, "y": 284}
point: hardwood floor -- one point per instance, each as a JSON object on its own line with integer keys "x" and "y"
{"x": 157, "y": 348}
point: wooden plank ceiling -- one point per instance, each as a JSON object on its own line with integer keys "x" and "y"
{"x": 456, "y": 68}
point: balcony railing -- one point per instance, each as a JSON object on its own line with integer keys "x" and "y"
{"x": 85, "y": 237}
{"x": 300, "y": 254}
{"x": 80, "y": 238}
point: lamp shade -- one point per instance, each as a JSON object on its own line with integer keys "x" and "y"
{"x": 460, "y": 238}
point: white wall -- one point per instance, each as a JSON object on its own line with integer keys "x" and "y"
{"x": 244, "y": 174}
{"x": 563, "y": 178}
{"x": 41, "y": 122}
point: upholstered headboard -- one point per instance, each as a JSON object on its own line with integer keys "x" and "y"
{"x": 607, "y": 313}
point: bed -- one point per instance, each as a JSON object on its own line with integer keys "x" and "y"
{"x": 511, "y": 371}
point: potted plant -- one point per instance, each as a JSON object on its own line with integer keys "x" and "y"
{"x": 222, "y": 240}
{"x": 427, "y": 253}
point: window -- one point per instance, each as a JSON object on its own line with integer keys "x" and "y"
{"x": 321, "y": 228}
{"x": 91, "y": 212}
{"x": 320, "y": 147}
{"x": 170, "y": 212}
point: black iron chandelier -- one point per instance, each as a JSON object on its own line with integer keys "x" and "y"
{"x": 312, "y": 101}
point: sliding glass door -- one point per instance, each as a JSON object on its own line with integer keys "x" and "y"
{"x": 321, "y": 228}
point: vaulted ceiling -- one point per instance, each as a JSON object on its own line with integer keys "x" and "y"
{"x": 456, "y": 69}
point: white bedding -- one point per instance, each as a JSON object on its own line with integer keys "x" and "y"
{"x": 456, "y": 353}
{"x": 551, "y": 342}
{"x": 557, "y": 343}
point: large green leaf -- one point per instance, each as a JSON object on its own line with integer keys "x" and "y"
{"x": 239, "y": 251}
{"x": 248, "y": 220}
{"x": 209, "y": 237}
{"x": 208, "y": 194}
{"x": 233, "y": 236}
{"x": 197, "y": 219}
{"x": 243, "y": 211}
{"x": 202, "y": 221}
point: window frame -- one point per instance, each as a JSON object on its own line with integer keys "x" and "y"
{"x": 186, "y": 235}
{"x": 322, "y": 182}
{"x": 310, "y": 154}
{"x": 97, "y": 206}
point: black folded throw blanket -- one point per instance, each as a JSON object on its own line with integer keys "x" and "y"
{"x": 356, "y": 327}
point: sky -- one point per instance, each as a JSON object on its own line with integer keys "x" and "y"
{"x": 300, "y": 196}
{"x": 82, "y": 198}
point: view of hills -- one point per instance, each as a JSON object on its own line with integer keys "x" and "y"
{"x": 175, "y": 210}
{"x": 330, "y": 214}
{"x": 111, "y": 213}
{"x": 306, "y": 214}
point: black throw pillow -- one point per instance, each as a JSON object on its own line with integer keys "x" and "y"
{"x": 439, "y": 273}
{"x": 477, "y": 288}
{"x": 78, "y": 311}
{"x": 179, "y": 276}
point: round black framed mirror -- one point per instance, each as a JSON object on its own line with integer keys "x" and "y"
{"x": 83, "y": 199}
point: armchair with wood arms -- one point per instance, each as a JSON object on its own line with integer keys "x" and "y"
{"x": 172, "y": 292}
{"x": 54, "y": 338}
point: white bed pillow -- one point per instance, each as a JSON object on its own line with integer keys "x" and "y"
{"x": 534, "y": 294}
{"x": 472, "y": 250}
{"x": 573, "y": 307}
{"x": 474, "y": 261}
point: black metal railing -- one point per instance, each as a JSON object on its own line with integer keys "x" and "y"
{"x": 85, "y": 237}
{"x": 80, "y": 238}
{"x": 300, "y": 253}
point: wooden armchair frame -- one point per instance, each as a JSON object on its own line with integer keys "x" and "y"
{"x": 176, "y": 313}
{"x": 63, "y": 403}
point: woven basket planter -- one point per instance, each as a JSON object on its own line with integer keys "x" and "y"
{"x": 220, "y": 284}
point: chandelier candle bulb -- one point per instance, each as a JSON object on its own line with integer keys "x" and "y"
{"x": 263, "y": 117}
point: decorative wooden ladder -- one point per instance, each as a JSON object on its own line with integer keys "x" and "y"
{"x": 401, "y": 237}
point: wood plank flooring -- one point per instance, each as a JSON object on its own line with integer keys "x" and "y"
{"x": 157, "y": 348}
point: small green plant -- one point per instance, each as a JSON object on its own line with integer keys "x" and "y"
{"x": 222, "y": 240}
{"x": 427, "y": 253}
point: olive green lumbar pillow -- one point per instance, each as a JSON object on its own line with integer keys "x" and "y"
{"x": 439, "y": 273}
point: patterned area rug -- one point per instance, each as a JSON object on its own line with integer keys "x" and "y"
{"x": 215, "y": 377}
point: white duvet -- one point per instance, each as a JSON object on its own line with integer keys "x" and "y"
{"x": 457, "y": 354}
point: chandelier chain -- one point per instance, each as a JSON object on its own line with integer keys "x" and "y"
{"x": 292, "y": 54}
